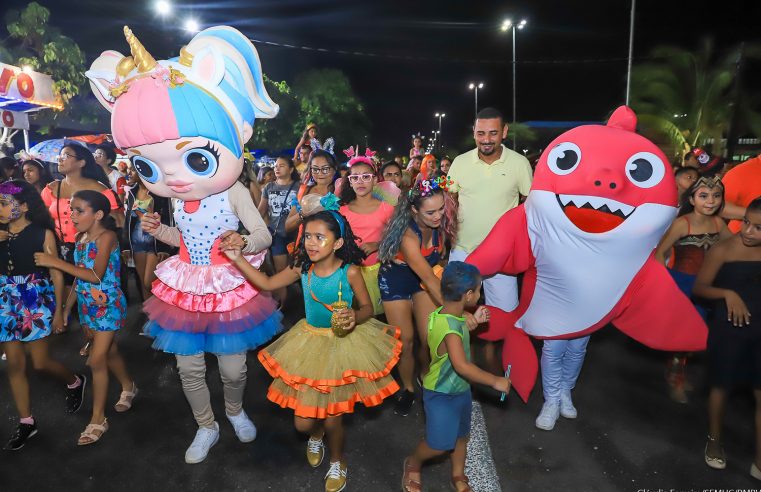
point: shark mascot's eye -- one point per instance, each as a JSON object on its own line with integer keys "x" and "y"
{"x": 564, "y": 158}
{"x": 645, "y": 169}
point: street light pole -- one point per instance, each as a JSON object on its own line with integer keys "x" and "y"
{"x": 507, "y": 24}
{"x": 439, "y": 116}
{"x": 631, "y": 50}
{"x": 474, "y": 86}
{"x": 515, "y": 100}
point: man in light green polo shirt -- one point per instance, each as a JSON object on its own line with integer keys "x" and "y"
{"x": 489, "y": 181}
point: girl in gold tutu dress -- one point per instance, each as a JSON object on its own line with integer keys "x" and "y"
{"x": 338, "y": 355}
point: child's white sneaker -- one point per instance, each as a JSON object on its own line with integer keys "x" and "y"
{"x": 244, "y": 428}
{"x": 202, "y": 443}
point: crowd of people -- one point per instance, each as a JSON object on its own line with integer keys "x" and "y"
{"x": 377, "y": 251}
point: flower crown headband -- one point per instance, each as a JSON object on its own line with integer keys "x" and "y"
{"x": 355, "y": 158}
{"x": 8, "y": 188}
{"x": 427, "y": 187}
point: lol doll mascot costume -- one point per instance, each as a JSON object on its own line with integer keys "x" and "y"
{"x": 601, "y": 199}
{"x": 183, "y": 122}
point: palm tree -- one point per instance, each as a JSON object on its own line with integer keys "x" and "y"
{"x": 685, "y": 99}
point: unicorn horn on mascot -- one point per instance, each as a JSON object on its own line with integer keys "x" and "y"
{"x": 183, "y": 122}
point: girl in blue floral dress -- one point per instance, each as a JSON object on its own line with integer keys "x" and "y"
{"x": 29, "y": 302}
{"x": 102, "y": 305}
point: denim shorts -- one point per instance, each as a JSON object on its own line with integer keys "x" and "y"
{"x": 141, "y": 241}
{"x": 397, "y": 282}
{"x": 447, "y": 418}
{"x": 279, "y": 245}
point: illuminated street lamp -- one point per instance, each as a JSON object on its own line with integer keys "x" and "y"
{"x": 439, "y": 116}
{"x": 192, "y": 26}
{"x": 475, "y": 86}
{"x": 163, "y": 8}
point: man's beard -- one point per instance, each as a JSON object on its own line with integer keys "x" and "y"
{"x": 493, "y": 149}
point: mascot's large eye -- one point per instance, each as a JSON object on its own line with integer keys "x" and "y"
{"x": 147, "y": 170}
{"x": 564, "y": 158}
{"x": 645, "y": 169}
{"x": 201, "y": 161}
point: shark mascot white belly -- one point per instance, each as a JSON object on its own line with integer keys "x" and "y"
{"x": 601, "y": 199}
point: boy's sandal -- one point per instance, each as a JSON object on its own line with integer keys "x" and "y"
{"x": 409, "y": 485}
{"x": 461, "y": 479}
{"x": 125, "y": 399}
{"x": 89, "y": 436}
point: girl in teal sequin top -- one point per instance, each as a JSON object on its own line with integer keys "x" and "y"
{"x": 317, "y": 373}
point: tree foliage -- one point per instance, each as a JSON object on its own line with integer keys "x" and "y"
{"x": 324, "y": 97}
{"x": 43, "y": 47}
{"x": 688, "y": 98}
{"x": 327, "y": 99}
{"x": 46, "y": 50}
{"x": 277, "y": 133}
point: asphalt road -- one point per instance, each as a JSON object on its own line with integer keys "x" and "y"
{"x": 629, "y": 436}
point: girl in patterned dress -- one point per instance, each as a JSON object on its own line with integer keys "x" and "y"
{"x": 102, "y": 305}
{"x": 30, "y": 306}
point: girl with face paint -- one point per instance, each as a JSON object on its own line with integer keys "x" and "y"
{"x": 338, "y": 355}
{"x": 692, "y": 234}
{"x": 30, "y": 302}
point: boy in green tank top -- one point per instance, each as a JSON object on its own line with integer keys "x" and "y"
{"x": 446, "y": 387}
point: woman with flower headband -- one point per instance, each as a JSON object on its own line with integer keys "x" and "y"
{"x": 367, "y": 214}
{"x": 183, "y": 123}
{"x": 339, "y": 355}
{"x": 692, "y": 234}
{"x": 412, "y": 245}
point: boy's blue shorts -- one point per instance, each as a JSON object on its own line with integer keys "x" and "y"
{"x": 447, "y": 418}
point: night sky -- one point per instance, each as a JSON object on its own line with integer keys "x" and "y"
{"x": 571, "y": 56}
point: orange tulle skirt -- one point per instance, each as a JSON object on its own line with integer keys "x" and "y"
{"x": 319, "y": 375}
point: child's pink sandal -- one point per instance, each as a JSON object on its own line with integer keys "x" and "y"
{"x": 89, "y": 437}
{"x": 125, "y": 399}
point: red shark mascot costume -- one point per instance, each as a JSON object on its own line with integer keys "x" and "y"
{"x": 601, "y": 199}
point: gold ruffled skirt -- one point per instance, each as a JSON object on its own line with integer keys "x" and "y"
{"x": 319, "y": 375}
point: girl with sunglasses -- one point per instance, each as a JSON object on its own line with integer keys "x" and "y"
{"x": 368, "y": 215}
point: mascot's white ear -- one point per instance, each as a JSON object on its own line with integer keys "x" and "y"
{"x": 103, "y": 76}
{"x": 248, "y": 131}
{"x": 208, "y": 66}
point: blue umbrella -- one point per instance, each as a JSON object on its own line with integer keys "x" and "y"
{"x": 49, "y": 150}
